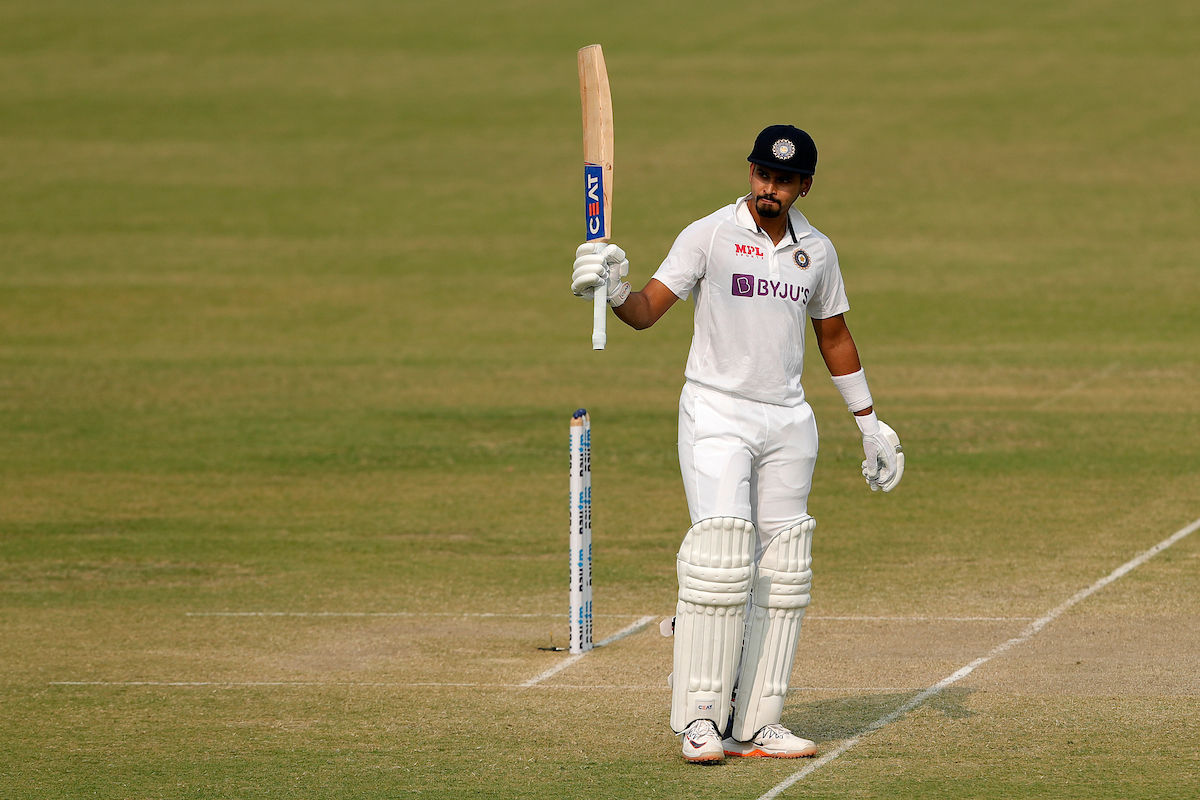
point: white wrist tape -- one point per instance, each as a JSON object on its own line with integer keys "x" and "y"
{"x": 868, "y": 424}
{"x": 854, "y": 390}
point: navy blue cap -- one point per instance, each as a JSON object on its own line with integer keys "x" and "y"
{"x": 785, "y": 147}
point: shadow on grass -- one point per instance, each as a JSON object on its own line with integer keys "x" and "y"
{"x": 843, "y": 717}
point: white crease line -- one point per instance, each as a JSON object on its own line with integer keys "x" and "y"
{"x": 1070, "y": 390}
{"x": 253, "y": 683}
{"x": 920, "y": 619}
{"x": 389, "y": 614}
{"x": 629, "y": 630}
{"x": 417, "y": 685}
{"x": 1030, "y": 631}
{"x": 566, "y": 662}
{"x": 809, "y": 618}
{"x": 663, "y": 687}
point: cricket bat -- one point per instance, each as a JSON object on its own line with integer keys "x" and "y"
{"x": 597, "y": 167}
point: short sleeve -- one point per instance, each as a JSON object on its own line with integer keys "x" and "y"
{"x": 687, "y": 260}
{"x": 829, "y": 297}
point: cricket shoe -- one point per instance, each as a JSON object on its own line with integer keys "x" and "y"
{"x": 702, "y": 743}
{"x": 771, "y": 741}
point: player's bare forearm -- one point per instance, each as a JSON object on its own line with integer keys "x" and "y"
{"x": 838, "y": 349}
{"x": 642, "y": 309}
{"x": 836, "y": 345}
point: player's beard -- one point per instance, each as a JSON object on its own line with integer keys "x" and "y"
{"x": 768, "y": 207}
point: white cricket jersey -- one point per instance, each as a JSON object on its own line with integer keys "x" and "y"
{"x": 752, "y": 300}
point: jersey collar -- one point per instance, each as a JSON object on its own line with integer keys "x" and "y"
{"x": 798, "y": 225}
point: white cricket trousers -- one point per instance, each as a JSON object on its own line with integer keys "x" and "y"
{"x": 746, "y": 459}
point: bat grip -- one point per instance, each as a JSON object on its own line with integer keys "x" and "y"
{"x": 600, "y": 317}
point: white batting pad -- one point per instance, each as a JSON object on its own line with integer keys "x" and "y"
{"x": 715, "y": 565}
{"x": 781, "y": 593}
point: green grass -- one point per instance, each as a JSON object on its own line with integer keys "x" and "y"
{"x": 284, "y": 326}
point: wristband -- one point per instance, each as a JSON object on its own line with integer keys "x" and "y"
{"x": 867, "y": 423}
{"x": 853, "y": 388}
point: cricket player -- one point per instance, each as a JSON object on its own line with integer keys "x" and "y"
{"x": 757, "y": 270}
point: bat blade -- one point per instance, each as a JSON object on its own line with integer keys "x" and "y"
{"x": 596, "y": 100}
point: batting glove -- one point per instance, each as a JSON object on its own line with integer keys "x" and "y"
{"x": 884, "y": 462}
{"x": 601, "y": 265}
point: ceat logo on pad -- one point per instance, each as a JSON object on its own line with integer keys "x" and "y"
{"x": 705, "y": 705}
{"x": 748, "y": 250}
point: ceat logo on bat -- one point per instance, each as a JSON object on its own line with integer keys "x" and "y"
{"x": 593, "y": 200}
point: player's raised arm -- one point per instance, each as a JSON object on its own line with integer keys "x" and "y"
{"x": 883, "y": 464}
{"x": 642, "y": 309}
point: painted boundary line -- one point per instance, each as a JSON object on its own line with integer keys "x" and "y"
{"x": 1030, "y": 631}
{"x": 629, "y": 630}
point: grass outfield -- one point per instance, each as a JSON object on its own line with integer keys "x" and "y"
{"x": 287, "y": 357}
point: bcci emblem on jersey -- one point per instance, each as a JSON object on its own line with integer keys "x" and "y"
{"x": 801, "y": 258}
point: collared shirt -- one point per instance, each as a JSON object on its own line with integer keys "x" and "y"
{"x": 752, "y": 300}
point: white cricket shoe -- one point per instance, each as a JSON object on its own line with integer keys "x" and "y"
{"x": 702, "y": 743}
{"x": 771, "y": 741}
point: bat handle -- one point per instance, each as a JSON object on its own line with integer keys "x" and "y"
{"x": 600, "y": 317}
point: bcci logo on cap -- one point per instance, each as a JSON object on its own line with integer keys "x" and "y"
{"x": 783, "y": 149}
{"x": 593, "y": 200}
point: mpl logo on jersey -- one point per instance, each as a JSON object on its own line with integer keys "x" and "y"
{"x": 748, "y": 250}
{"x": 593, "y": 200}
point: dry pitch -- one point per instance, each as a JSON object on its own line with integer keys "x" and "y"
{"x": 287, "y": 358}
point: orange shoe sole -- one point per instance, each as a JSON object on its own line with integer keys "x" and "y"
{"x": 757, "y": 753}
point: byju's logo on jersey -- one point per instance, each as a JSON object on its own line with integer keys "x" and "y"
{"x": 748, "y": 250}
{"x": 743, "y": 285}
{"x": 750, "y": 286}
{"x": 593, "y": 200}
